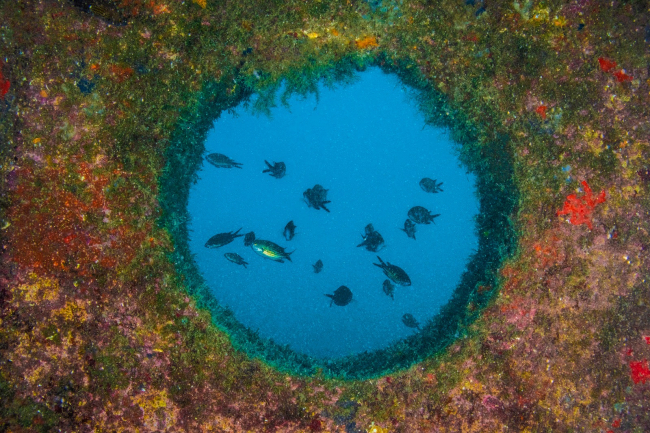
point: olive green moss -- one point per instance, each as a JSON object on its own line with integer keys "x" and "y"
{"x": 497, "y": 194}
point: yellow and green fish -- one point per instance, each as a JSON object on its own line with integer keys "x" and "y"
{"x": 270, "y": 250}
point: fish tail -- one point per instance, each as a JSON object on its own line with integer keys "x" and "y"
{"x": 235, "y": 234}
{"x": 288, "y": 256}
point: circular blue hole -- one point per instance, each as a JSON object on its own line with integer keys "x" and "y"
{"x": 367, "y": 145}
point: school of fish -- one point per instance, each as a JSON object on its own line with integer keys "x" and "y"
{"x": 316, "y": 198}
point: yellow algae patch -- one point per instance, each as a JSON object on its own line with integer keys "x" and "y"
{"x": 367, "y": 42}
{"x": 36, "y": 375}
{"x": 42, "y": 289}
{"x": 152, "y": 400}
{"x": 72, "y": 310}
{"x": 376, "y": 429}
{"x": 312, "y": 35}
{"x": 594, "y": 140}
{"x": 473, "y": 385}
{"x": 560, "y": 21}
{"x": 202, "y": 3}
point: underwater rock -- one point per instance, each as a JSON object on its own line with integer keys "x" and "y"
{"x": 107, "y": 10}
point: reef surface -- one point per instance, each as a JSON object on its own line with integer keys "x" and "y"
{"x": 104, "y": 327}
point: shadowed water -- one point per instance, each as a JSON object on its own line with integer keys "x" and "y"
{"x": 366, "y": 144}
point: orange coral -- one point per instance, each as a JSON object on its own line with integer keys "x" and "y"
{"x": 640, "y": 371}
{"x": 580, "y": 208}
{"x": 367, "y": 42}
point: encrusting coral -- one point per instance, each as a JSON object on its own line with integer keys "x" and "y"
{"x": 102, "y": 327}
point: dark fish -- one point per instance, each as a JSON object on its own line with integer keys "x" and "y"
{"x": 410, "y": 321}
{"x": 420, "y": 215}
{"x": 342, "y": 296}
{"x": 409, "y": 228}
{"x": 249, "y": 239}
{"x": 372, "y": 240}
{"x": 318, "y": 266}
{"x": 270, "y": 250}
{"x": 221, "y": 239}
{"x": 389, "y": 289}
{"x": 395, "y": 273}
{"x": 235, "y": 258}
{"x": 430, "y": 185}
{"x": 289, "y": 230}
{"x": 222, "y": 161}
{"x": 277, "y": 170}
{"x": 316, "y": 197}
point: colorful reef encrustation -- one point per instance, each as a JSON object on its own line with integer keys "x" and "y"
{"x": 104, "y": 106}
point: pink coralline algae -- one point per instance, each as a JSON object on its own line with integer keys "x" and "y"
{"x": 580, "y": 208}
{"x": 4, "y": 84}
{"x": 640, "y": 371}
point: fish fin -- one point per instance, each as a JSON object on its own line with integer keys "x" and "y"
{"x": 323, "y": 206}
{"x": 235, "y": 234}
{"x": 288, "y": 256}
{"x": 267, "y": 163}
{"x": 265, "y": 171}
{"x": 244, "y": 264}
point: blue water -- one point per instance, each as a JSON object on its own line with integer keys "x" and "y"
{"x": 367, "y": 144}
